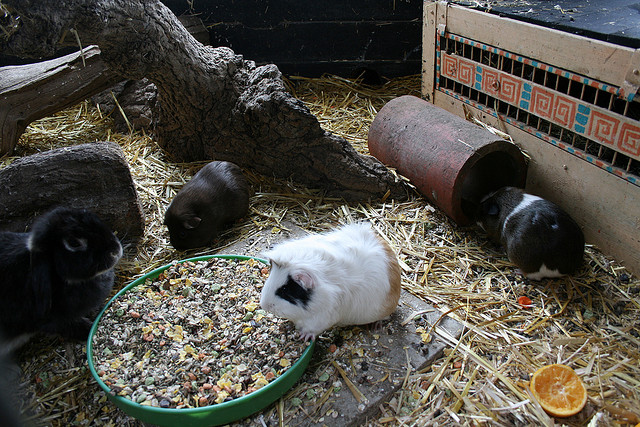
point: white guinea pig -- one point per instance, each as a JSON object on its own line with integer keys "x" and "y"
{"x": 538, "y": 236}
{"x": 346, "y": 277}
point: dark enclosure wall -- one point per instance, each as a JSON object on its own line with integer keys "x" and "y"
{"x": 311, "y": 37}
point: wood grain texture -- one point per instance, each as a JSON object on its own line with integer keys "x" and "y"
{"x": 92, "y": 176}
{"x": 212, "y": 103}
{"x": 31, "y": 92}
{"x": 596, "y": 59}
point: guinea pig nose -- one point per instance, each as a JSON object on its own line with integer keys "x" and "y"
{"x": 117, "y": 253}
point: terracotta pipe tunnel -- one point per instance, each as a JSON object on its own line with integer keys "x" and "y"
{"x": 451, "y": 161}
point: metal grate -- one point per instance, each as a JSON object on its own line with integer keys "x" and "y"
{"x": 455, "y": 53}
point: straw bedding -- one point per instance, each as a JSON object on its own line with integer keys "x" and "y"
{"x": 589, "y": 321}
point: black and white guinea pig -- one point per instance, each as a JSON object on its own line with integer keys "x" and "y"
{"x": 53, "y": 278}
{"x": 346, "y": 277}
{"x": 211, "y": 201}
{"x": 538, "y": 236}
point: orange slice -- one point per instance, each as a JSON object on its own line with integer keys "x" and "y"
{"x": 559, "y": 390}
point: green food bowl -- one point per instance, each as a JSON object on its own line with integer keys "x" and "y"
{"x": 216, "y": 414}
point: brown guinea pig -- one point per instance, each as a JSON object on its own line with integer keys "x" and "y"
{"x": 209, "y": 203}
{"x": 538, "y": 236}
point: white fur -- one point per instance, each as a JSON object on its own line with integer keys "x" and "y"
{"x": 527, "y": 199}
{"x": 543, "y": 272}
{"x": 349, "y": 269}
{"x": 30, "y": 242}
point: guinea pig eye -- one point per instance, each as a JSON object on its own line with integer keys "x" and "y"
{"x": 74, "y": 244}
{"x": 192, "y": 223}
{"x": 494, "y": 210}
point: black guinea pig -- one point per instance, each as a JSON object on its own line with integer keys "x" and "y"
{"x": 53, "y": 278}
{"x": 538, "y": 236}
{"x": 209, "y": 203}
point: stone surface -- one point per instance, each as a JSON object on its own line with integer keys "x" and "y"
{"x": 377, "y": 361}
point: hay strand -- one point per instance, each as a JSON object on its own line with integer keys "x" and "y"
{"x": 589, "y": 321}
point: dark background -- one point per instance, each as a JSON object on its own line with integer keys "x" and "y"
{"x": 384, "y": 37}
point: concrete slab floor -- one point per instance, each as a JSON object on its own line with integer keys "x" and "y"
{"x": 372, "y": 363}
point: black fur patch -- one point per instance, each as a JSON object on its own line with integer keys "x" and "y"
{"x": 294, "y": 293}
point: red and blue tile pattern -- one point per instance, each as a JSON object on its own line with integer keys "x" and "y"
{"x": 615, "y": 131}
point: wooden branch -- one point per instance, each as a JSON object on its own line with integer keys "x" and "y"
{"x": 212, "y": 104}
{"x": 30, "y": 92}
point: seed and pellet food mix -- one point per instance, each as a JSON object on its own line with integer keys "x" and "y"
{"x": 194, "y": 336}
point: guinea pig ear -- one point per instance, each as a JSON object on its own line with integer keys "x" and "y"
{"x": 74, "y": 244}
{"x": 304, "y": 279}
{"x": 192, "y": 222}
{"x": 271, "y": 256}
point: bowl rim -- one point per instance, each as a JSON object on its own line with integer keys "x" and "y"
{"x": 302, "y": 360}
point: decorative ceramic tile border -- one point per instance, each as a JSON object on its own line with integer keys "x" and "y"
{"x": 540, "y": 65}
{"x": 605, "y": 127}
{"x": 553, "y": 141}
{"x": 600, "y": 125}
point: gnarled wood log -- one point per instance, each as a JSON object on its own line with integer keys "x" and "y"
{"x": 93, "y": 176}
{"x": 30, "y": 92}
{"x": 212, "y": 103}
